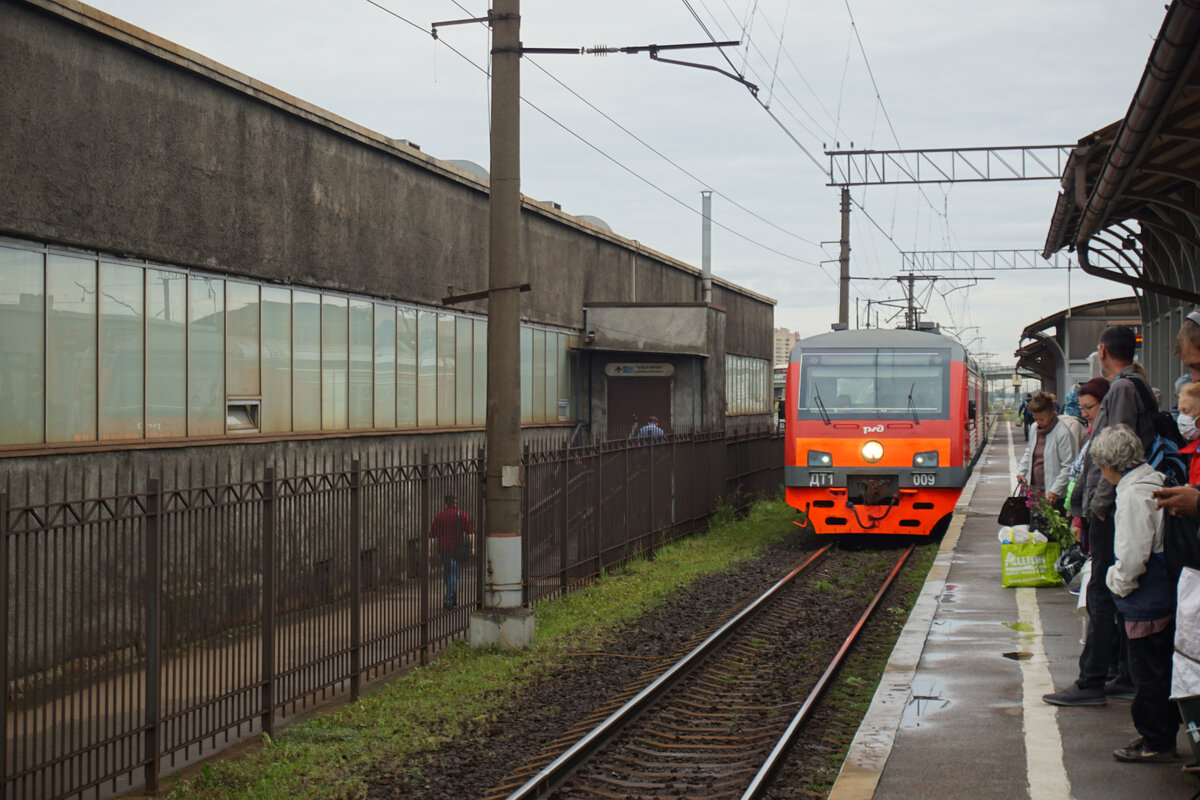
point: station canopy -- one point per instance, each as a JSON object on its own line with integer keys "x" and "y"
{"x": 1130, "y": 201}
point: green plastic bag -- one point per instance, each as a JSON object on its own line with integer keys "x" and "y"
{"x": 1029, "y": 564}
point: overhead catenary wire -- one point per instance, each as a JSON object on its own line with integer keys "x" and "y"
{"x": 608, "y": 156}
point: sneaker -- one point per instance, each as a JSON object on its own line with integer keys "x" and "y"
{"x": 1074, "y": 695}
{"x": 1118, "y": 690}
{"x": 1138, "y": 751}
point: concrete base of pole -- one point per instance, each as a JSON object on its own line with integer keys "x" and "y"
{"x": 506, "y": 628}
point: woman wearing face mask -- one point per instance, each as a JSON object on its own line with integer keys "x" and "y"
{"x": 1189, "y": 410}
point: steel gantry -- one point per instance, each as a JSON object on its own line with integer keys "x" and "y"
{"x": 947, "y": 165}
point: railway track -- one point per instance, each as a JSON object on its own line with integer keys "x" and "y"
{"x": 718, "y": 722}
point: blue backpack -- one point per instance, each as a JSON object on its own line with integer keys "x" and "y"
{"x": 1162, "y": 452}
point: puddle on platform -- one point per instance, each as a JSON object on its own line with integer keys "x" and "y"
{"x": 925, "y": 697}
{"x": 949, "y": 593}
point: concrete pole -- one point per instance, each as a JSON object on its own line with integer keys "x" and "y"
{"x": 502, "y": 585}
{"x": 844, "y": 261}
{"x": 706, "y": 245}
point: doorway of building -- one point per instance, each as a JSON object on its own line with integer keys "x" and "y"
{"x": 632, "y": 401}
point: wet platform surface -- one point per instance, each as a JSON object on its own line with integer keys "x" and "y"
{"x": 959, "y": 712}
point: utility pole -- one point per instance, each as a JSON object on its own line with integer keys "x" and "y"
{"x": 844, "y": 261}
{"x": 503, "y": 584}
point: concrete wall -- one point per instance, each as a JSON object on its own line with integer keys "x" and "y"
{"x": 117, "y": 141}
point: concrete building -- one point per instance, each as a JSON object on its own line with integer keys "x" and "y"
{"x": 190, "y": 257}
{"x": 1060, "y": 349}
{"x": 785, "y": 340}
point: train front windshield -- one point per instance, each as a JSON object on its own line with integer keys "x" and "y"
{"x": 874, "y": 384}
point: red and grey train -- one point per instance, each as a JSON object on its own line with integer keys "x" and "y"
{"x": 883, "y": 430}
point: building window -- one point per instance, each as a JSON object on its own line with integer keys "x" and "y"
{"x": 747, "y": 385}
{"x": 22, "y": 346}
{"x": 122, "y": 351}
{"x": 99, "y": 349}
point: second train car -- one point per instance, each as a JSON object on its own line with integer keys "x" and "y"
{"x": 883, "y": 428}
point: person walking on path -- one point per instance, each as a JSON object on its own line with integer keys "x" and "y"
{"x": 650, "y": 431}
{"x": 454, "y": 537}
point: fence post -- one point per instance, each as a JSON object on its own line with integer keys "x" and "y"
{"x": 526, "y": 530}
{"x": 481, "y": 525}
{"x": 598, "y": 513}
{"x": 566, "y": 523}
{"x": 5, "y": 583}
{"x": 423, "y": 569}
{"x": 651, "y": 505}
{"x": 268, "y": 602}
{"x": 625, "y": 540}
{"x": 355, "y": 580}
{"x": 153, "y": 678}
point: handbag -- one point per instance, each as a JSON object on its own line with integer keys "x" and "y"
{"x": 1015, "y": 511}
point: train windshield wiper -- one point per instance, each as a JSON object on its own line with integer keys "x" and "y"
{"x": 820, "y": 405}
{"x": 911, "y": 405}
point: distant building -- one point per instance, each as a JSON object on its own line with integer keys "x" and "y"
{"x": 785, "y": 340}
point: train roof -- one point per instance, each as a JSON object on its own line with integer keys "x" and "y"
{"x": 881, "y": 337}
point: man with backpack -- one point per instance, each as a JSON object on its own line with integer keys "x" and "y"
{"x": 1122, "y": 405}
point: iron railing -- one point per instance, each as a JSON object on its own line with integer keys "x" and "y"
{"x": 163, "y": 617}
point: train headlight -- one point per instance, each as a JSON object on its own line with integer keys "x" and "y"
{"x": 817, "y": 458}
{"x": 927, "y": 459}
{"x": 872, "y": 451}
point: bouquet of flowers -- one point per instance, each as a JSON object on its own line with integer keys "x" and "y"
{"x": 1044, "y": 517}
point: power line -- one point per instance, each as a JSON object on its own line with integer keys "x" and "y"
{"x": 606, "y": 155}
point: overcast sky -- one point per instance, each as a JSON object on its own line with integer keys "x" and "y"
{"x": 634, "y": 142}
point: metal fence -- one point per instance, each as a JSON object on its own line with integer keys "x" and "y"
{"x": 152, "y": 623}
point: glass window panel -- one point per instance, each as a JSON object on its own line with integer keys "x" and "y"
{"x": 526, "y": 374}
{"x": 464, "y": 373}
{"x": 566, "y": 370}
{"x": 539, "y": 376}
{"x": 242, "y": 349}
{"x": 276, "y": 360}
{"x": 22, "y": 345}
{"x": 335, "y": 362}
{"x": 362, "y": 361}
{"x": 206, "y": 356}
{"x": 166, "y": 353}
{"x": 426, "y": 368}
{"x": 445, "y": 371}
{"x": 480, "y": 376}
{"x": 306, "y": 361}
{"x": 70, "y": 349}
{"x": 406, "y": 367}
{"x": 385, "y": 366}
{"x": 551, "y": 390}
{"x": 122, "y": 352}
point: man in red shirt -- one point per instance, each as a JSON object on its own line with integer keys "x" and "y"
{"x": 454, "y": 536}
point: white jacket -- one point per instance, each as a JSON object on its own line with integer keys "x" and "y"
{"x": 1139, "y": 528}
{"x": 1059, "y": 453}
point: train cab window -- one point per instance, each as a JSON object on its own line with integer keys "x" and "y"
{"x": 884, "y": 383}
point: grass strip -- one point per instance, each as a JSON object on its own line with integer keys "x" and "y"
{"x": 328, "y": 757}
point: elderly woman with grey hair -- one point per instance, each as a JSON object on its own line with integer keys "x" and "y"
{"x": 1143, "y": 590}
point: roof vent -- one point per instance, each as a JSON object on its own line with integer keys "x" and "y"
{"x": 407, "y": 143}
{"x": 599, "y": 223}
{"x": 471, "y": 167}
{"x": 840, "y": 326}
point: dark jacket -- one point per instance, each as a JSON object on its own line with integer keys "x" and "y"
{"x": 1121, "y": 406}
